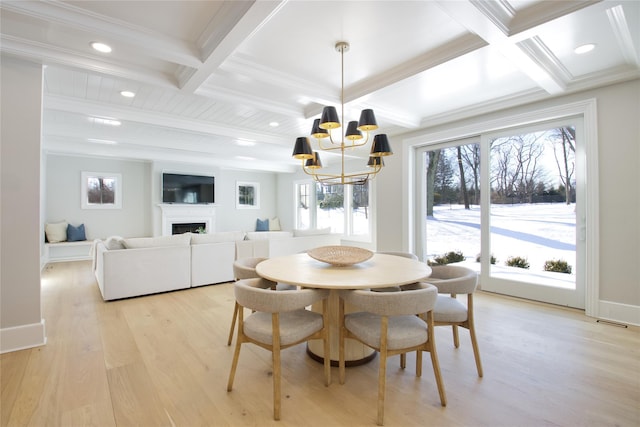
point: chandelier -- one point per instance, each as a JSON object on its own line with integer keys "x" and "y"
{"x": 352, "y": 138}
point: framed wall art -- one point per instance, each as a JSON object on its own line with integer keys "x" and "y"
{"x": 247, "y": 195}
{"x": 101, "y": 190}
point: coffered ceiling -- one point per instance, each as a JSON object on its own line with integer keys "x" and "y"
{"x": 210, "y": 77}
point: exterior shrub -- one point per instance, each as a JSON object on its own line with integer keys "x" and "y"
{"x": 448, "y": 258}
{"x": 557, "y": 266}
{"x": 493, "y": 258}
{"x": 516, "y": 261}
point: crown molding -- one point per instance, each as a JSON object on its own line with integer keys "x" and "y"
{"x": 620, "y": 28}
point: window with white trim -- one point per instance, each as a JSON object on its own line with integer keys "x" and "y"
{"x": 346, "y": 209}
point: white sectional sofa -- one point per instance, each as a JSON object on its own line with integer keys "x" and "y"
{"x": 146, "y": 265}
{"x": 212, "y": 257}
{"x": 268, "y": 244}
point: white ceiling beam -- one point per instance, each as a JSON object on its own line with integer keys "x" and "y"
{"x": 620, "y": 28}
{"x": 153, "y": 43}
{"x": 221, "y": 46}
{"x": 62, "y": 145}
{"x": 50, "y": 55}
{"x": 157, "y": 119}
{"x": 544, "y": 11}
{"x": 231, "y": 96}
{"x": 440, "y": 55}
{"x": 475, "y": 19}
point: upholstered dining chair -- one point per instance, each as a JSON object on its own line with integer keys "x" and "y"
{"x": 243, "y": 268}
{"x": 399, "y": 253}
{"x": 449, "y": 311}
{"x": 395, "y": 253}
{"x": 391, "y": 323}
{"x": 279, "y": 320}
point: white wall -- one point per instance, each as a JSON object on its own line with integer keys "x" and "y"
{"x": 232, "y": 219}
{"x": 141, "y": 190}
{"x": 390, "y": 230}
{"x": 63, "y": 196}
{"x": 618, "y": 110}
{"x": 21, "y": 323}
{"x": 228, "y": 218}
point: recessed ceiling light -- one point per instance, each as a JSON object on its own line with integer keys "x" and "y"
{"x": 101, "y": 47}
{"x": 103, "y": 121}
{"x": 584, "y": 48}
{"x": 102, "y": 141}
{"x": 127, "y": 94}
{"x": 274, "y": 124}
{"x": 245, "y": 142}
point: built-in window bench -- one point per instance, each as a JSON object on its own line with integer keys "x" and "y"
{"x": 68, "y": 251}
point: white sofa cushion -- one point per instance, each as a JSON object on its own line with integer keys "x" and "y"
{"x": 225, "y": 236}
{"x": 212, "y": 263}
{"x": 127, "y": 273}
{"x": 311, "y": 232}
{"x": 267, "y": 235}
{"x": 153, "y": 242}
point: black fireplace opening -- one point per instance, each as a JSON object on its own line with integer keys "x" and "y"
{"x": 189, "y": 227}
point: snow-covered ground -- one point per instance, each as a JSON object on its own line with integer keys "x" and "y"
{"x": 537, "y": 232}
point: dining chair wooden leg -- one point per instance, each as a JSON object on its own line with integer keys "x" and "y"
{"x": 326, "y": 344}
{"x": 456, "y": 339}
{"x": 234, "y": 364}
{"x": 434, "y": 359}
{"x": 382, "y": 371}
{"x": 476, "y": 351}
{"x": 436, "y": 371}
{"x": 276, "y": 367}
{"x": 341, "y": 332}
{"x": 233, "y": 322}
{"x": 418, "y": 363}
{"x": 472, "y": 333}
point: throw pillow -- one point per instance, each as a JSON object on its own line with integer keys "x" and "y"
{"x": 114, "y": 243}
{"x": 274, "y": 224}
{"x": 262, "y": 225}
{"x": 56, "y": 232}
{"x": 76, "y": 234}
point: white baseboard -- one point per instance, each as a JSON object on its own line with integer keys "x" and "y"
{"x": 22, "y": 337}
{"x": 619, "y": 313}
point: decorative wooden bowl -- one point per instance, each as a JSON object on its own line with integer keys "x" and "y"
{"x": 340, "y": 255}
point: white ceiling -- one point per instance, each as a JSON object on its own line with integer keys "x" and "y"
{"x": 209, "y": 73}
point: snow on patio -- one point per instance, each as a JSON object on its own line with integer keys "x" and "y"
{"x": 537, "y": 232}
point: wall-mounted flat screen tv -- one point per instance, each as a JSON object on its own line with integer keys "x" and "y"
{"x": 189, "y": 189}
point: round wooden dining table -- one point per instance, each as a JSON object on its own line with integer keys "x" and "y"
{"x": 380, "y": 271}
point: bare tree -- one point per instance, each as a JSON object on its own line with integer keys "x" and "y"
{"x": 565, "y": 140}
{"x": 433, "y": 158}
{"x": 471, "y": 158}
{"x": 516, "y": 165}
{"x": 463, "y": 182}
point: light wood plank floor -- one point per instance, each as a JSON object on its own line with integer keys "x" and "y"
{"x": 163, "y": 360}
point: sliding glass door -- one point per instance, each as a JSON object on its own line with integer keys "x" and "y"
{"x": 509, "y": 204}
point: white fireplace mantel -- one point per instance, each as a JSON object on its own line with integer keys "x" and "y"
{"x": 181, "y": 213}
